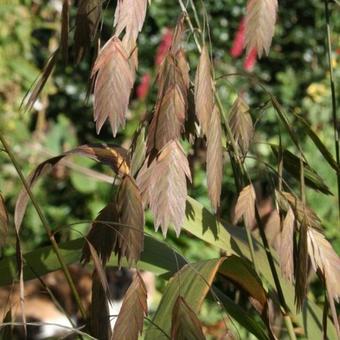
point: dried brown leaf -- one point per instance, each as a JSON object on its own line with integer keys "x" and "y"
{"x": 114, "y": 78}
{"x": 325, "y": 259}
{"x": 107, "y": 154}
{"x": 164, "y": 188}
{"x": 87, "y": 23}
{"x": 100, "y": 325}
{"x": 130, "y": 16}
{"x": 112, "y": 155}
{"x": 185, "y": 324}
{"x": 130, "y": 320}
{"x": 3, "y": 222}
{"x": 241, "y": 124}
{"x": 130, "y": 240}
{"x": 103, "y": 234}
{"x": 204, "y": 91}
{"x": 260, "y": 25}
{"x": 214, "y": 158}
{"x": 245, "y": 206}
{"x": 285, "y": 251}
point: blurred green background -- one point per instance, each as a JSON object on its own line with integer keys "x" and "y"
{"x": 296, "y": 71}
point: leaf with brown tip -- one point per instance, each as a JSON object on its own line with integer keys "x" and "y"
{"x": 260, "y": 25}
{"x": 130, "y": 16}
{"x": 204, "y": 91}
{"x": 286, "y": 255}
{"x": 163, "y": 186}
{"x": 325, "y": 259}
{"x": 130, "y": 239}
{"x": 245, "y": 206}
{"x": 130, "y": 320}
{"x": 214, "y": 158}
{"x": 3, "y": 221}
{"x": 87, "y": 23}
{"x": 107, "y": 154}
{"x": 114, "y": 78}
{"x": 112, "y": 155}
{"x": 241, "y": 124}
{"x": 185, "y": 324}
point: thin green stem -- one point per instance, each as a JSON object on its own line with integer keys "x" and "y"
{"x": 45, "y": 224}
{"x": 334, "y": 104}
{"x": 193, "y": 31}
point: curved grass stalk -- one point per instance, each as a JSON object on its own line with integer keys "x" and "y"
{"x": 45, "y": 225}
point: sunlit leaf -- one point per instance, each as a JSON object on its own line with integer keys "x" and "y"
{"x": 185, "y": 324}
{"x": 194, "y": 281}
{"x": 240, "y": 272}
{"x": 130, "y": 320}
{"x": 164, "y": 188}
{"x": 260, "y": 25}
{"x": 114, "y": 78}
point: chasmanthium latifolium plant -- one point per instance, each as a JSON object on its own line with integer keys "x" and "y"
{"x": 154, "y": 173}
